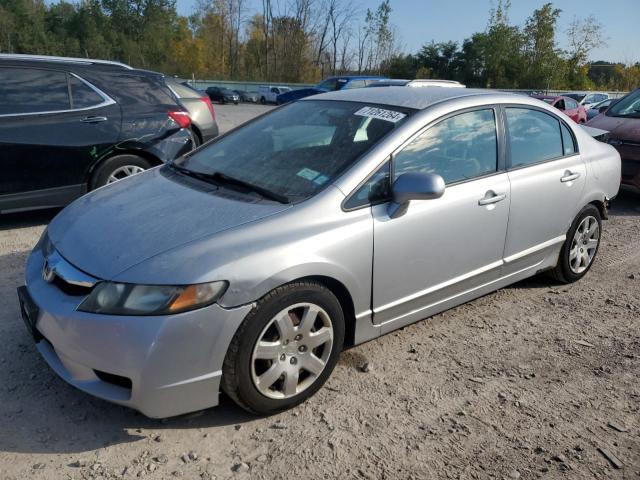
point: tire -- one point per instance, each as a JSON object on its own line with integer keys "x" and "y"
{"x": 568, "y": 269}
{"x": 196, "y": 138}
{"x": 263, "y": 100}
{"x": 244, "y": 366}
{"x": 121, "y": 165}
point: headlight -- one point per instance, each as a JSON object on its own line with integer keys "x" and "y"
{"x": 130, "y": 299}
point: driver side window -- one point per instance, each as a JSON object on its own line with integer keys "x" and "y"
{"x": 458, "y": 148}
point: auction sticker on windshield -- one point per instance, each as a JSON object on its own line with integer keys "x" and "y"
{"x": 381, "y": 114}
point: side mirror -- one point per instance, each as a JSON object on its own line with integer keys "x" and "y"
{"x": 603, "y": 109}
{"x": 413, "y": 186}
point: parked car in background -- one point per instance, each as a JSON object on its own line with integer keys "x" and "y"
{"x": 198, "y": 104}
{"x": 330, "y": 84}
{"x": 587, "y": 99}
{"x": 222, "y": 95}
{"x": 599, "y": 108}
{"x": 71, "y": 125}
{"x": 417, "y": 83}
{"x": 246, "y": 96}
{"x": 325, "y": 223}
{"x": 269, "y": 93}
{"x": 569, "y": 106}
{"x": 622, "y": 121}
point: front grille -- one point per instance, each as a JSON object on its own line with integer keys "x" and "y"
{"x": 113, "y": 379}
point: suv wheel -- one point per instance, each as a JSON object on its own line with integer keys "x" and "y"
{"x": 285, "y": 349}
{"x": 117, "y": 168}
{"x": 581, "y": 246}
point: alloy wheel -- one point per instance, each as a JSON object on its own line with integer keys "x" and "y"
{"x": 584, "y": 244}
{"x": 292, "y": 351}
{"x": 124, "y": 172}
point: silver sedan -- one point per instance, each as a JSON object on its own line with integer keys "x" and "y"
{"x": 249, "y": 264}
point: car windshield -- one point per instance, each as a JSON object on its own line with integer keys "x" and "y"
{"x": 329, "y": 85}
{"x": 576, "y": 96}
{"x": 296, "y": 150}
{"x": 628, "y": 106}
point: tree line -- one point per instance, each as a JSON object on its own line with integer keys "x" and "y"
{"x": 307, "y": 40}
{"x": 527, "y": 57}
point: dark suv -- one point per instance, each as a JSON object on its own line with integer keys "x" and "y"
{"x": 72, "y": 125}
{"x": 622, "y": 122}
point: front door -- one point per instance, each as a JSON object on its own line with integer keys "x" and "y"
{"x": 443, "y": 248}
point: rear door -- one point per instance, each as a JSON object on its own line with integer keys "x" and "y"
{"x": 52, "y": 127}
{"x": 547, "y": 178}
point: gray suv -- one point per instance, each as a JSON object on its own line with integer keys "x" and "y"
{"x": 326, "y": 223}
{"x": 203, "y": 117}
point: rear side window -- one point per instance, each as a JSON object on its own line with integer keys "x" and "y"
{"x": 534, "y": 136}
{"x": 571, "y": 104}
{"x": 458, "y": 148}
{"x": 131, "y": 89}
{"x": 568, "y": 145}
{"x": 32, "y": 90}
{"x": 82, "y": 95}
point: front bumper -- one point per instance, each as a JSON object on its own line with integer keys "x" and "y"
{"x": 159, "y": 365}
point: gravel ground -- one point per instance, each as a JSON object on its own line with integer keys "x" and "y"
{"x": 534, "y": 381}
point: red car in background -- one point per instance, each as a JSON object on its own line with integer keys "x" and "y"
{"x": 569, "y": 106}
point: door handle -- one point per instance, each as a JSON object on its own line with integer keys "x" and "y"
{"x": 568, "y": 176}
{"x": 495, "y": 198}
{"x": 94, "y": 119}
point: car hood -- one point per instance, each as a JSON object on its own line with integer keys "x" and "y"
{"x": 116, "y": 227}
{"x": 618, "y": 127}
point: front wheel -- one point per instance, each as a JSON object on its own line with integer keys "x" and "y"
{"x": 580, "y": 247}
{"x": 285, "y": 349}
{"x": 118, "y": 167}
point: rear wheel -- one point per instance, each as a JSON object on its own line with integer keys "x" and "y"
{"x": 285, "y": 349}
{"x": 117, "y": 168}
{"x": 195, "y": 137}
{"x": 580, "y": 247}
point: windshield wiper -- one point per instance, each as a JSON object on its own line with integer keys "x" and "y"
{"x": 222, "y": 178}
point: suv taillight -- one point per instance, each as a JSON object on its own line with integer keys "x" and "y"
{"x": 181, "y": 118}
{"x": 207, "y": 101}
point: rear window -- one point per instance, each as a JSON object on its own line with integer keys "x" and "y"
{"x": 182, "y": 90}
{"x": 32, "y": 90}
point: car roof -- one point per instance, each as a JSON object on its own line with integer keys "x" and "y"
{"x": 546, "y": 97}
{"x": 67, "y": 60}
{"x": 418, "y": 98}
{"x": 72, "y": 63}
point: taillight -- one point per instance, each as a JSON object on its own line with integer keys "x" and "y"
{"x": 207, "y": 100}
{"x": 181, "y": 118}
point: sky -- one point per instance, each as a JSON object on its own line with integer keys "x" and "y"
{"x": 420, "y": 21}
